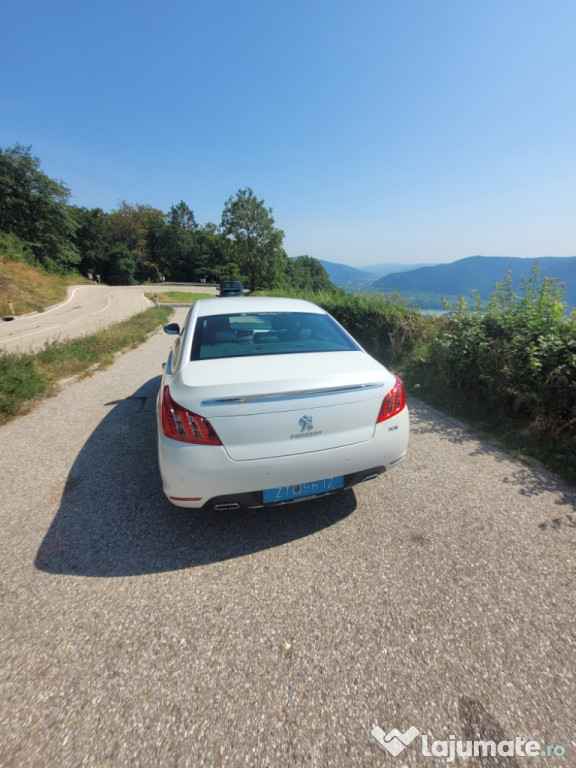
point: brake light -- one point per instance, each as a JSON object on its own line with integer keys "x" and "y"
{"x": 393, "y": 403}
{"x": 180, "y": 424}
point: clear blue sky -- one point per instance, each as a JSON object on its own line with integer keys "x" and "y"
{"x": 377, "y": 130}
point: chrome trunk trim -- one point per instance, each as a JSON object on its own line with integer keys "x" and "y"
{"x": 296, "y": 395}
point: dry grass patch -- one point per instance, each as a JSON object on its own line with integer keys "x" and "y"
{"x": 24, "y": 288}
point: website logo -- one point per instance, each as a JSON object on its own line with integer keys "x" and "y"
{"x": 395, "y": 741}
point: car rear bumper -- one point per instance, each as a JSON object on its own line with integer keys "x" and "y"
{"x": 254, "y": 499}
{"x": 198, "y": 476}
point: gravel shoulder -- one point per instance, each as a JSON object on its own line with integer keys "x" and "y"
{"x": 440, "y": 596}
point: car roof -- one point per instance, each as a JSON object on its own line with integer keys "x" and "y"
{"x": 223, "y": 306}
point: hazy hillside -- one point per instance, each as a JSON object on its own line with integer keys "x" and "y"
{"x": 361, "y": 278}
{"x": 393, "y": 267}
{"x": 347, "y": 277}
{"x": 476, "y": 273}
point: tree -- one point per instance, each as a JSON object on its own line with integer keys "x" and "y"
{"x": 94, "y": 241}
{"x": 308, "y": 274}
{"x": 215, "y": 255}
{"x": 182, "y": 216}
{"x": 258, "y": 243}
{"x": 35, "y": 208}
{"x": 177, "y": 246}
{"x": 139, "y": 228}
{"x": 122, "y": 266}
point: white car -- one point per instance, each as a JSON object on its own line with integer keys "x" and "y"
{"x": 266, "y": 401}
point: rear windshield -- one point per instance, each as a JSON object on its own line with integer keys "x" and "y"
{"x": 267, "y": 333}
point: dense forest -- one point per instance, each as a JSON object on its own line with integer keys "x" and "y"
{"x": 138, "y": 243}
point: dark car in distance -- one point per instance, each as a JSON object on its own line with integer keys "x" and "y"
{"x": 231, "y": 288}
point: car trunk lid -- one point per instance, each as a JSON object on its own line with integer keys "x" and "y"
{"x": 287, "y": 404}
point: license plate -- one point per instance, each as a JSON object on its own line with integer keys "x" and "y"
{"x": 298, "y": 491}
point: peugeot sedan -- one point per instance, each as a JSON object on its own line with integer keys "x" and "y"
{"x": 268, "y": 401}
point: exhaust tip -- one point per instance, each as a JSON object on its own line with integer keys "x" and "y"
{"x": 226, "y": 506}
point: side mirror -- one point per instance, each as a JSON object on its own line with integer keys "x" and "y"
{"x": 172, "y": 329}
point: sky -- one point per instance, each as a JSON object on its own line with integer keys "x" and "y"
{"x": 378, "y": 131}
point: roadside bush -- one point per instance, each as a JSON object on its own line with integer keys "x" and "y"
{"x": 19, "y": 382}
{"x": 518, "y": 355}
{"x": 11, "y": 247}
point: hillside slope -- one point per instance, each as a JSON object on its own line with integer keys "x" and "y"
{"x": 346, "y": 277}
{"x": 361, "y": 278}
{"x": 24, "y": 288}
{"x": 393, "y": 266}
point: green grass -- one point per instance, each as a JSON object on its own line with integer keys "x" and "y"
{"x": 27, "y": 377}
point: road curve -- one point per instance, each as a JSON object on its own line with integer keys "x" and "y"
{"x": 87, "y": 309}
{"x": 439, "y": 597}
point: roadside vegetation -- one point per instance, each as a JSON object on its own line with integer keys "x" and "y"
{"x": 27, "y": 377}
{"x": 508, "y": 370}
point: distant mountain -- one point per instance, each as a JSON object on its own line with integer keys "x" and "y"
{"x": 347, "y": 277}
{"x": 476, "y": 273}
{"x": 393, "y": 267}
{"x": 361, "y": 278}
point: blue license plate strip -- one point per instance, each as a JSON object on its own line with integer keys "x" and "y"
{"x": 301, "y": 490}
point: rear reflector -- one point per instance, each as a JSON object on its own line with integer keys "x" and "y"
{"x": 180, "y": 424}
{"x": 393, "y": 403}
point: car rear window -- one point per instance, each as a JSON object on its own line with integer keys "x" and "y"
{"x": 267, "y": 333}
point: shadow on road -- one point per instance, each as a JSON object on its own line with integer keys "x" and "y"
{"x": 114, "y": 520}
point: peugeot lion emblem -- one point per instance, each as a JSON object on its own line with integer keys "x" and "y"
{"x": 306, "y": 428}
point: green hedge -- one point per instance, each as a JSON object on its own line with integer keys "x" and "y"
{"x": 518, "y": 354}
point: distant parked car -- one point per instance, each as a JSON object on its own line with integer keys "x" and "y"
{"x": 268, "y": 401}
{"x": 231, "y": 288}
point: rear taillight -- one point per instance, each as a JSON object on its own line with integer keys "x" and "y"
{"x": 180, "y": 424}
{"x": 393, "y": 403}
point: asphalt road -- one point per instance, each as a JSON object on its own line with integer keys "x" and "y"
{"x": 439, "y": 597}
{"x": 87, "y": 309}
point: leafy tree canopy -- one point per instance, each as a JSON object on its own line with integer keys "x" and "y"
{"x": 308, "y": 274}
{"x": 258, "y": 242}
{"x": 35, "y": 208}
{"x": 136, "y": 243}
